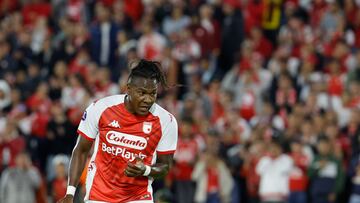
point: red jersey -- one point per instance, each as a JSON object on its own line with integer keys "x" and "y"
{"x": 185, "y": 157}
{"x": 298, "y": 181}
{"x": 120, "y": 137}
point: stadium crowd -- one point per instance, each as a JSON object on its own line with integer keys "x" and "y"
{"x": 266, "y": 93}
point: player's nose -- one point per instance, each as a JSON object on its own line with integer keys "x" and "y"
{"x": 148, "y": 100}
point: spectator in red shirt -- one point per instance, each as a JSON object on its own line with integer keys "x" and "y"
{"x": 11, "y": 144}
{"x": 151, "y": 44}
{"x": 40, "y": 104}
{"x": 260, "y": 43}
{"x": 298, "y": 179}
{"x": 252, "y": 11}
{"x": 207, "y": 31}
{"x": 185, "y": 158}
{"x": 31, "y": 11}
{"x": 59, "y": 183}
{"x": 214, "y": 182}
{"x": 335, "y": 80}
{"x": 256, "y": 151}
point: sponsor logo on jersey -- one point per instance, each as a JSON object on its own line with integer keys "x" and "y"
{"x": 123, "y": 152}
{"x": 84, "y": 116}
{"x": 126, "y": 140}
{"x": 147, "y": 126}
{"x": 114, "y": 124}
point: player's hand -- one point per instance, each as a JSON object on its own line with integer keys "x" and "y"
{"x": 67, "y": 199}
{"x": 135, "y": 170}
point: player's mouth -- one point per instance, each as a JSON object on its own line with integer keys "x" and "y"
{"x": 144, "y": 108}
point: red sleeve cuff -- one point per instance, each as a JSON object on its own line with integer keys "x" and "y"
{"x": 85, "y": 136}
{"x": 166, "y": 152}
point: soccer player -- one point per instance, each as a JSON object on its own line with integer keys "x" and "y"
{"x": 134, "y": 142}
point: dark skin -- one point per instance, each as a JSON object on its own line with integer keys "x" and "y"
{"x": 141, "y": 96}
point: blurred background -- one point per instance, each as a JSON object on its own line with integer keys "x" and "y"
{"x": 268, "y": 110}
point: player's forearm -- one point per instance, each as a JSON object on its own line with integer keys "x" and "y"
{"x": 159, "y": 170}
{"x": 77, "y": 165}
{"x": 162, "y": 167}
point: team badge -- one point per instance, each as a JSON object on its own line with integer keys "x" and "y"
{"x": 147, "y": 126}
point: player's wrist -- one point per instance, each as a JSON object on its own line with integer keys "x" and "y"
{"x": 70, "y": 190}
{"x": 147, "y": 170}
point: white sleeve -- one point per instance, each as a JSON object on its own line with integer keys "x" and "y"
{"x": 168, "y": 141}
{"x": 262, "y": 166}
{"x": 88, "y": 127}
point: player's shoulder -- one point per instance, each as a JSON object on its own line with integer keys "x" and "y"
{"x": 164, "y": 115}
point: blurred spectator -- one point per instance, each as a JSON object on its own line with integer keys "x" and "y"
{"x": 5, "y": 98}
{"x": 33, "y": 10}
{"x": 206, "y": 31}
{"x": 122, "y": 16}
{"x": 326, "y": 174}
{"x": 7, "y": 7}
{"x": 103, "y": 37}
{"x": 335, "y": 80}
{"x": 261, "y": 45}
{"x": 332, "y": 20}
{"x": 252, "y": 11}
{"x": 185, "y": 159}
{"x": 196, "y": 103}
{"x": 151, "y": 44}
{"x": 103, "y": 84}
{"x": 171, "y": 67}
{"x": 59, "y": 141}
{"x": 256, "y": 152}
{"x": 298, "y": 180}
{"x": 11, "y": 144}
{"x": 351, "y": 130}
{"x": 19, "y": 183}
{"x": 274, "y": 170}
{"x": 186, "y": 49}
{"x": 232, "y": 34}
{"x": 32, "y": 79}
{"x": 76, "y": 10}
{"x": 175, "y": 23}
{"x": 58, "y": 80}
{"x": 213, "y": 179}
{"x": 125, "y": 45}
{"x": 59, "y": 183}
{"x": 39, "y": 103}
{"x": 73, "y": 94}
{"x": 7, "y": 63}
{"x": 39, "y": 34}
{"x": 354, "y": 174}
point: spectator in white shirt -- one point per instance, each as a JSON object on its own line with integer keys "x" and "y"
{"x": 274, "y": 171}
